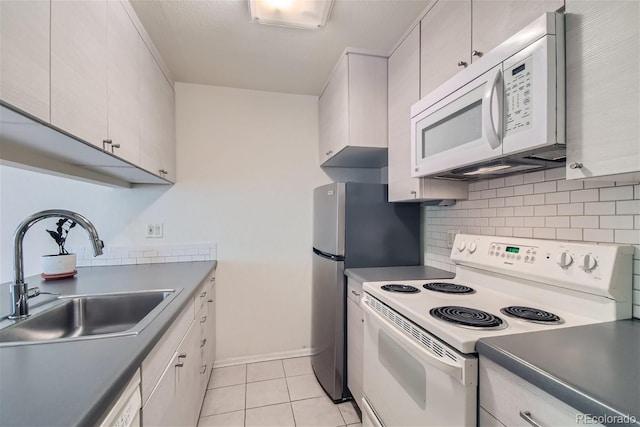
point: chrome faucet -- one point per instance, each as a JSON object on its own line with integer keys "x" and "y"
{"x": 19, "y": 289}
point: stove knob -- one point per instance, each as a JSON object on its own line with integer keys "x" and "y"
{"x": 564, "y": 260}
{"x": 461, "y": 245}
{"x": 588, "y": 262}
{"x": 472, "y": 247}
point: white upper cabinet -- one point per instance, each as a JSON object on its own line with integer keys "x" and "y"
{"x": 84, "y": 68}
{"x": 353, "y": 113}
{"x": 157, "y": 121}
{"x": 494, "y": 21}
{"x": 445, "y": 42}
{"x": 404, "y": 90}
{"x": 603, "y": 89}
{"x": 123, "y": 80}
{"x": 79, "y": 68}
{"x": 458, "y": 32}
{"x": 24, "y": 56}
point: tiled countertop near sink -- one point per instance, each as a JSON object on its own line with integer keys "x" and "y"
{"x": 73, "y": 383}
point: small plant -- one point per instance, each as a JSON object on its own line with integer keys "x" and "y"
{"x": 60, "y": 235}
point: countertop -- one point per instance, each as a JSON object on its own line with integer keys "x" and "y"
{"x": 593, "y": 368}
{"x": 380, "y": 274}
{"x": 73, "y": 383}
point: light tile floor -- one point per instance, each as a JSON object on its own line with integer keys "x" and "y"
{"x": 275, "y": 393}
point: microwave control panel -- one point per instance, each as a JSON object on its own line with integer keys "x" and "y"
{"x": 518, "y": 81}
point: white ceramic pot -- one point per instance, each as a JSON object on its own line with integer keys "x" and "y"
{"x": 58, "y": 264}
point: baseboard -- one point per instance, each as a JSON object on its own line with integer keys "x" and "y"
{"x": 261, "y": 358}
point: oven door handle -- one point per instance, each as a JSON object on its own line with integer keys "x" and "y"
{"x": 492, "y": 132}
{"x": 452, "y": 370}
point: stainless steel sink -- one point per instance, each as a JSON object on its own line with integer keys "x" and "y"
{"x": 80, "y": 317}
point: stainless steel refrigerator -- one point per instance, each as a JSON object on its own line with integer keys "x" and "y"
{"x": 353, "y": 226}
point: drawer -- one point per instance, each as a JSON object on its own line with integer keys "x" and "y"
{"x": 506, "y": 396}
{"x": 354, "y": 290}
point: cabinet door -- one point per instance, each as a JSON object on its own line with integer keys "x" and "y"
{"x": 404, "y": 91}
{"x": 355, "y": 344}
{"x": 367, "y": 99}
{"x": 187, "y": 403}
{"x": 445, "y": 41}
{"x": 603, "y": 89}
{"x": 79, "y": 68}
{"x": 333, "y": 112}
{"x": 494, "y": 21}
{"x": 123, "y": 75}
{"x": 160, "y": 409}
{"x": 157, "y": 121}
{"x": 24, "y": 56}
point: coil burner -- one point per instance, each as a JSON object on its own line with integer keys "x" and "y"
{"x": 468, "y": 317}
{"x": 405, "y": 289}
{"x": 448, "y": 288}
{"x": 531, "y": 314}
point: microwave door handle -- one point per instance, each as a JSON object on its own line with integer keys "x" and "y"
{"x": 491, "y": 131}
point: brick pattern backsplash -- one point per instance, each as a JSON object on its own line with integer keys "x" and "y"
{"x": 540, "y": 205}
{"x": 128, "y": 255}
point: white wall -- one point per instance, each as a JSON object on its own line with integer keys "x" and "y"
{"x": 541, "y": 205}
{"x": 247, "y": 162}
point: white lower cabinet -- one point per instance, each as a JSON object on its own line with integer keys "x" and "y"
{"x": 176, "y": 372}
{"x": 355, "y": 339}
{"x": 507, "y": 399}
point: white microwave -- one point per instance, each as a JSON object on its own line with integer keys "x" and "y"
{"x": 503, "y": 114}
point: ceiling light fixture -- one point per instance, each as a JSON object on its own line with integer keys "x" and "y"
{"x": 306, "y": 14}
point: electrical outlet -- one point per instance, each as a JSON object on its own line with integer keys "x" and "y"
{"x": 451, "y": 236}
{"x": 153, "y": 230}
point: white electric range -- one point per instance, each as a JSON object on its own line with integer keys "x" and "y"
{"x": 420, "y": 365}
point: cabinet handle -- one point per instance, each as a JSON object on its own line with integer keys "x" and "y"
{"x": 213, "y": 279}
{"x": 575, "y": 165}
{"x": 106, "y": 142}
{"x": 203, "y": 342}
{"x": 203, "y": 369}
{"x": 182, "y": 356}
{"x": 114, "y": 146}
{"x": 355, "y": 293}
{"x": 462, "y": 64}
{"x": 328, "y": 153}
{"x": 526, "y": 415}
{"x": 180, "y": 364}
{"x": 476, "y": 53}
{"x": 209, "y": 300}
{"x": 204, "y": 319}
{"x": 163, "y": 172}
{"x": 414, "y": 194}
{"x": 203, "y": 294}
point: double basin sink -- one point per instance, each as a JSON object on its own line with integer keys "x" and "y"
{"x": 78, "y": 317}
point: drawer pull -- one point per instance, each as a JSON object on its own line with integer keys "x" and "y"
{"x": 355, "y": 293}
{"x": 179, "y": 364}
{"x": 203, "y": 342}
{"x": 203, "y": 294}
{"x": 526, "y": 415}
{"x": 204, "y": 319}
{"x": 203, "y": 369}
{"x": 182, "y": 356}
{"x": 209, "y": 300}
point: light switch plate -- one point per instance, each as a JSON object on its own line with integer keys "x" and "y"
{"x": 154, "y": 230}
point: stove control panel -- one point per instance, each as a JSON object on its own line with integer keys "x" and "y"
{"x": 595, "y": 268}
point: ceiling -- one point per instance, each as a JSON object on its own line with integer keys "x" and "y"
{"x": 213, "y": 42}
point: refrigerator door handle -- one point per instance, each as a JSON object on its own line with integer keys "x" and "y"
{"x": 326, "y": 255}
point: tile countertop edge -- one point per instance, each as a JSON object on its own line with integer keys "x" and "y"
{"x": 127, "y": 353}
{"x": 565, "y": 392}
{"x": 378, "y": 274}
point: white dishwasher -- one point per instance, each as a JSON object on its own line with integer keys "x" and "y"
{"x": 125, "y": 411}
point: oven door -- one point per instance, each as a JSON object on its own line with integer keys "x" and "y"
{"x": 461, "y": 129}
{"x": 408, "y": 384}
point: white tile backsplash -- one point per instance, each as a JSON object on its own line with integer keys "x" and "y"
{"x": 129, "y": 255}
{"x": 540, "y": 205}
